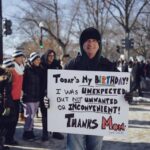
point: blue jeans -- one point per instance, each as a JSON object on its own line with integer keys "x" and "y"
{"x": 84, "y": 142}
{"x": 29, "y": 113}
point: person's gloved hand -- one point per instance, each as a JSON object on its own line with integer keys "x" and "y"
{"x": 6, "y": 111}
{"x": 128, "y": 97}
{"x": 46, "y": 102}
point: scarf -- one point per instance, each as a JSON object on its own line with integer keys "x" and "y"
{"x": 19, "y": 68}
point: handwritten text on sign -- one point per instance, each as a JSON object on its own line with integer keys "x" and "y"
{"x": 88, "y": 102}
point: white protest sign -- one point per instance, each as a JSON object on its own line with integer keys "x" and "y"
{"x": 88, "y": 102}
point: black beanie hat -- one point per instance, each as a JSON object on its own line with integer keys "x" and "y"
{"x": 90, "y": 33}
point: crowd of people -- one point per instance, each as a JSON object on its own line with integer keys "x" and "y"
{"x": 140, "y": 73}
{"x": 23, "y": 85}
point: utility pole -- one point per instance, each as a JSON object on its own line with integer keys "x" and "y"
{"x": 1, "y": 34}
{"x": 127, "y": 30}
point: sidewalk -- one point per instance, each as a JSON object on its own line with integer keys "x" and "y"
{"x": 138, "y": 134}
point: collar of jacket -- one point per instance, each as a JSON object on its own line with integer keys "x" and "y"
{"x": 95, "y": 60}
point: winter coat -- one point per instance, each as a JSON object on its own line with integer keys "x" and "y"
{"x": 135, "y": 77}
{"x": 16, "y": 85}
{"x": 17, "y": 79}
{"x": 95, "y": 64}
{"x": 5, "y": 91}
{"x": 32, "y": 84}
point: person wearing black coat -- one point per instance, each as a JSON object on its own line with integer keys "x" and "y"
{"x": 6, "y": 103}
{"x": 49, "y": 61}
{"x": 90, "y": 60}
{"x": 32, "y": 87}
{"x": 136, "y": 77}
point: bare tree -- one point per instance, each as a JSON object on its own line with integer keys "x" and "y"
{"x": 142, "y": 33}
{"x": 92, "y": 13}
{"x": 126, "y": 13}
{"x": 57, "y": 25}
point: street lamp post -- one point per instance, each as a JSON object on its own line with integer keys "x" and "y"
{"x": 41, "y": 25}
{"x": 41, "y": 38}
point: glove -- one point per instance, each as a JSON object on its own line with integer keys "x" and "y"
{"x": 46, "y": 102}
{"x": 128, "y": 97}
{"x": 3, "y": 77}
{"x": 6, "y": 111}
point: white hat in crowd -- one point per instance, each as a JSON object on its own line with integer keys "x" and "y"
{"x": 7, "y": 63}
{"x": 140, "y": 58}
{"x": 17, "y": 53}
{"x": 34, "y": 56}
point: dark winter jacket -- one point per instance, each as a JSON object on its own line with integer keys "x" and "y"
{"x": 32, "y": 84}
{"x": 95, "y": 64}
{"x": 7, "y": 117}
{"x": 135, "y": 77}
{"x": 5, "y": 91}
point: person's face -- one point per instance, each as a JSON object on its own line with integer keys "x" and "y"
{"x": 19, "y": 60}
{"x": 91, "y": 47}
{"x": 65, "y": 60}
{"x": 37, "y": 61}
{"x": 50, "y": 58}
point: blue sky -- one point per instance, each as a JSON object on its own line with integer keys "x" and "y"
{"x": 9, "y": 7}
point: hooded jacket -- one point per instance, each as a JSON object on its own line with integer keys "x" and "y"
{"x": 98, "y": 63}
{"x": 54, "y": 65}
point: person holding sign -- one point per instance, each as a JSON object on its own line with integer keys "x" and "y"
{"x": 48, "y": 61}
{"x": 91, "y": 60}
